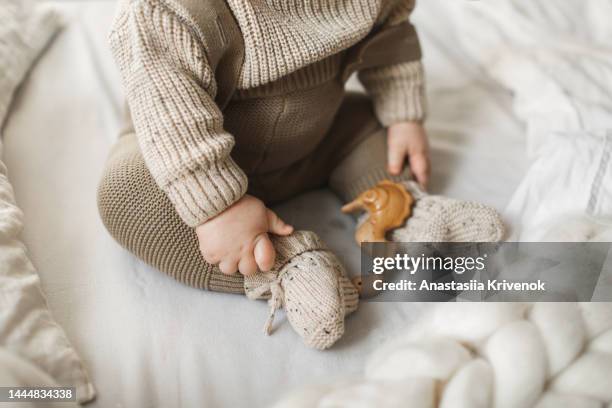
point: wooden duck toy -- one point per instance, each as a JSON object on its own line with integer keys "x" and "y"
{"x": 389, "y": 205}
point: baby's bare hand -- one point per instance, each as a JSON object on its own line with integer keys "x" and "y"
{"x": 409, "y": 140}
{"x": 237, "y": 239}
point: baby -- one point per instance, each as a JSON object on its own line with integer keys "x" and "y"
{"x": 238, "y": 104}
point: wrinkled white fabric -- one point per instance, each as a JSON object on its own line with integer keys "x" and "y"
{"x": 24, "y": 31}
{"x": 557, "y": 59}
{"x": 27, "y": 329}
{"x": 18, "y": 372}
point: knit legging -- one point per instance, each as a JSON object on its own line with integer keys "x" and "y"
{"x": 139, "y": 216}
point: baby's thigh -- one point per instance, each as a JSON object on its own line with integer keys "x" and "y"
{"x": 141, "y": 218}
{"x": 354, "y": 123}
{"x": 359, "y": 145}
{"x": 354, "y": 149}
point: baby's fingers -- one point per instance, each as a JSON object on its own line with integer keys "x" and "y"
{"x": 419, "y": 165}
{"x": 247, "y": 265}
{"x": 228, "y": 266}
{"x": 276, "y": 225}
{"x": 395, "y": 156}
{"x": 264, "y": 252}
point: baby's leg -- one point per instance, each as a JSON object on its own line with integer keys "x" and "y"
{"x": 142, "y": 219}
{"x": 360, "y": 149}
{"x": 351, "y": 158}
{"x": 363, "y": 164}
{"x": 307, "y": 279}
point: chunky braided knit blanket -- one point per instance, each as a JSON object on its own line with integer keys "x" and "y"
{"x": 486, "y": 355}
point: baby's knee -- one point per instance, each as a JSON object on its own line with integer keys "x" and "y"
{"x": 122, "y": 194}
{"x": 141, "y": 218}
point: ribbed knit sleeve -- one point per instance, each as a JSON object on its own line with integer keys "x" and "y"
{"x": 398, "y": 91}
{"x": 170, "y": 89}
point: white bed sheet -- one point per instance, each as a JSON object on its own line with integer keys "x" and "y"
{"x": 149, "y": 341}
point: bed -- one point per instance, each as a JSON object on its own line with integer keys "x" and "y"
{"x": 148, "y": 341}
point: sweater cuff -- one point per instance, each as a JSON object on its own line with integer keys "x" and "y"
{"x": 397, "y": 91}
{"x": 204, "y": 193}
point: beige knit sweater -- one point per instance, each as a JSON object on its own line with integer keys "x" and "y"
{"x": 171, "y": 88}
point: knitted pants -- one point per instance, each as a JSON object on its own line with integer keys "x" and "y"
{"x": 351, "y": 157}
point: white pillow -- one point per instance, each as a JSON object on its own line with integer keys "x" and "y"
{"x": 27, "y": 329}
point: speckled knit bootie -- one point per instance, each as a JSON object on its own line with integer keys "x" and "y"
{"x": 441, "y": 219}
{"x": 309, "y": 282}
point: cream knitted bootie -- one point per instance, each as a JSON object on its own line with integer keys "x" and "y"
{"x": 309, "y": 282}
{"x": 441, "y": 219}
